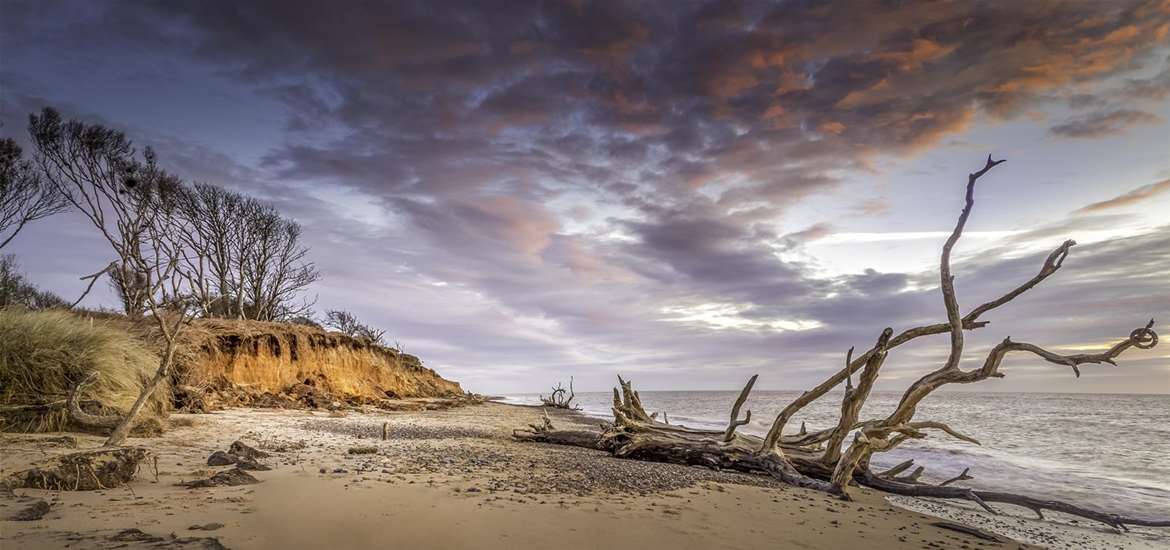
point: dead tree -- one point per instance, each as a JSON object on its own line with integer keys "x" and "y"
{"x": 25, "y": 196}
{"x": 125, "y": 197}
{"x": 560, "y": 398}
{"x": 819, "y": 459}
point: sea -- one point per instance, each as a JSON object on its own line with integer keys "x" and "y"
{"x": 1107, "y": 451}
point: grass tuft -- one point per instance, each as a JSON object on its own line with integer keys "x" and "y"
{"x": 44, "y": 353}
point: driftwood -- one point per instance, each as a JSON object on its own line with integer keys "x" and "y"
{"x": 103, "y": 468}
{"x": 227, "y": 478}
{"x": 967, "y": 529}
{"x": 560, "y": 398}
{"x": 545, "y": 432}
{"x": 821, "y": 460}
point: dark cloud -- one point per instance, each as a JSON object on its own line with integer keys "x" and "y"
{"x": 571, "y": 184}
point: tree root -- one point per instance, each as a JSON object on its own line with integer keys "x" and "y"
{"x": 104, "y": 468}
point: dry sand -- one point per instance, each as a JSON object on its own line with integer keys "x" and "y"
{"x": 446, "y": 479}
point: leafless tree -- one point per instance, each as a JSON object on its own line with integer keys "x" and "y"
{"x": 25, "y": 196}
{"x": 348, "y": 324}
{"x": 126, "y": 197}
{"x": 821, "y": 459}
{"x": 275, "y": 270}
{"x": 244, "y": 259}
{"x": 16, "y": 291}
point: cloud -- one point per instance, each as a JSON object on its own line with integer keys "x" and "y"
{"x": 1104, "y": 123}
{"x": 1129, "y": 198}
{"x": 439, "y": 158}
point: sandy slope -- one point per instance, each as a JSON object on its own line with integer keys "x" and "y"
{"x": 446, "y": 479}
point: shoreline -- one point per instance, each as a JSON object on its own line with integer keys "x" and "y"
{"x": 452, "y": 478}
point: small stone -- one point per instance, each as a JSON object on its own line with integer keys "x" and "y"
{"x": 220, "y": 458}
{"x": 240, "y": 449}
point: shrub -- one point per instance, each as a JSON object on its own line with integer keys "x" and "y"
{"x": 43, "y": 354}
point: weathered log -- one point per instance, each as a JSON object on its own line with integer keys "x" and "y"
{"x": 545, "y": 432}
{"x": 1036, "y": 505}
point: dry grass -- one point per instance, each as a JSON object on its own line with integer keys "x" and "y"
{"x": 44, "y": 353}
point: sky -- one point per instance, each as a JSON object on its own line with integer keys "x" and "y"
{"x": 683, "y": 193}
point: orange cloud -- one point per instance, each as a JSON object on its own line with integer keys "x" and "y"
{"x": 1127, "y": 199}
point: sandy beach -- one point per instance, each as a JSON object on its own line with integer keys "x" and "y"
{"x": 456, "y": 479}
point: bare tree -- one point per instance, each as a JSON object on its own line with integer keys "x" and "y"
{"x": 348, "y": 324}
{"x": 275, "y": 269}
{"x": 126, "y": 199}
{"x": 25, "y": 196}
{"x": 820, "y": 460}
{"x": 16, "y": 291}
{"x": 245, "y": 260}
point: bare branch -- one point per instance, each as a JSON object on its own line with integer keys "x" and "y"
{"x": 961, "y": 477}
{"x": 735, "y": 422}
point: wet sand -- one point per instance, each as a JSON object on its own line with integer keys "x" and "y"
{"x": 444, "y": 479}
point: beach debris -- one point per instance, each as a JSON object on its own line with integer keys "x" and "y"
{"x": 146, "y": 540}
{"x": 241, "y": 455}
{"x": 973, "y": 531}
{"x": 545, "y": 432}
{"x": 362, "y": 450}
{"x": 835, "y": 459}
{"x": 34, "y": 510}
{"x": 220, "y": 458}
{"x": 103, "y": 468}
{"x": 229, "y": 478}
{"x": 206, "y": 527}
{"x": 560, "y": 398}
{"x": 240, "y": 448}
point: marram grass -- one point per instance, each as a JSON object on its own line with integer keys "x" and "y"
{"x": 44, "y": 353}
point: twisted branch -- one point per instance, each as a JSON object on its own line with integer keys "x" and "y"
{"x": 735, "y": 422}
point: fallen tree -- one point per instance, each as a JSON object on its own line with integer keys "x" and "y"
{"x": 820, "y": 460}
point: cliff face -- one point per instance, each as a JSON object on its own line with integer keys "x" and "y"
{"x": 292, "y": 361}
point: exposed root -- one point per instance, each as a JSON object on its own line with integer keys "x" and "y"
{"x": 104, "y": 468}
